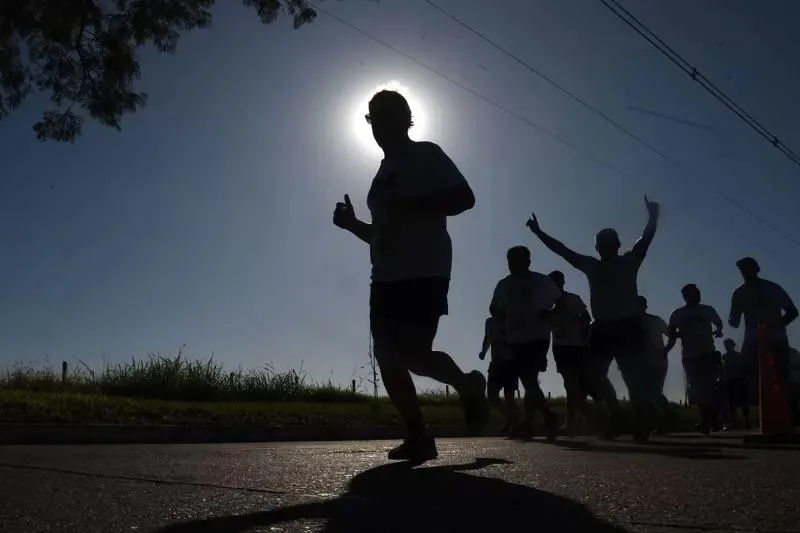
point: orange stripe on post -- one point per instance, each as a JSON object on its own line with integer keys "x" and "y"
{"x": 774, "y": 414}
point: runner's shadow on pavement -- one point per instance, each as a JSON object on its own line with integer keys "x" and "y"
{"x": 678, "y": 451}
{"x": 396, "y": 498}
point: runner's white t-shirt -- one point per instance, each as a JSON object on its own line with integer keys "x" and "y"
{"x": 695, "y": 329}
{"x": 761, "y": 302}
{"x": 566, "y": 323}
{"x": 655, "y": 329}
{"x": 416, "y": 245}
{"x": 524, "y": 299}
{"x": 495, "y": 330}
{"x": 613, "y": 289}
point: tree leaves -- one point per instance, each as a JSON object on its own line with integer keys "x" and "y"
{"x": 83, "y": 53}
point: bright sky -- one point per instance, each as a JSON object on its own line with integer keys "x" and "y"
{"x": 207, "y": 221}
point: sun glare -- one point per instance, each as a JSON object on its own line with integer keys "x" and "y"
{"x": 363, "y": 131}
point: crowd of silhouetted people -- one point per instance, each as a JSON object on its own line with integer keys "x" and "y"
{"x": 417, "y": 187}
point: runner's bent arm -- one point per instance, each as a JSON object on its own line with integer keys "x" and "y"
{"x": 717, "y": 322}
{"x": 789, "y": 309}
{"x": 449, "y": 202}
{"x": 735, "y": 316}
{"x": 672, "y": 334}
{"x": 447, "y": 192}
{"x": 362, "y": 230}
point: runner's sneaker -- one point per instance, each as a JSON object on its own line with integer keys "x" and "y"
{"x": 474, "y": 402}
{"x": 415, "y": 450}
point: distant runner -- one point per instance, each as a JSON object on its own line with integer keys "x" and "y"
{"x": 416, "y": 188}
{"x": 570, "y": 327}
{"x": 696, "y": 325}
{"x": 655, "y": 333}
{"x": 616, "y": 330}
{"x": 525, "y": 299}
{"x": 736, "y": 388}
{"x": 502, "y": 375}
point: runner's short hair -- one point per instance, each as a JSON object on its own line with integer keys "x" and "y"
{"x": 392, "y": 105}
{"x": 518, "y": 251}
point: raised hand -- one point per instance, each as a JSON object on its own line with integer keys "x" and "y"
{"x": 344, "y": 216}
{"x": 652, "y": 207}
{"x": 533, "y": 223}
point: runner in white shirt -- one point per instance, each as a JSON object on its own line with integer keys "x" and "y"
{"x": 502, "y": 375}
{"x": 570, "y": 327}
{"x": 655, "y": 332}
{"x": 416, "y": 188}
{"x": 696, "y": 325}
{"x": 762, "y": 303}
{"x": 613, "y": 294}
{"x": 524, "y": 299}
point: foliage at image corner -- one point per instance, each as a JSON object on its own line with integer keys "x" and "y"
{"x": 83, "y": 53}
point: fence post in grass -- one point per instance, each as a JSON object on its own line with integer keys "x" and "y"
{"x": 63, "y": 372}
{"x": 447, "y": 391}
{"x": 354, "y": 386}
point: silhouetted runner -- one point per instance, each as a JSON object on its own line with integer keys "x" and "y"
{"x": 570, "y": 327}
{"x": 616, "y": 330}
{"x": 696, "y": 325}
{"x": 524, "y": 298}
{"x": 502, "y": 374}
{"x": 416, "y": 188}
{"x": 655, "y": 331}
{"x": 762, "y": 302}
{"x": 737, "y": 391}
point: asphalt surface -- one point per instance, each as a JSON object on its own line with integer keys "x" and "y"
{"x": 485, "y": 485}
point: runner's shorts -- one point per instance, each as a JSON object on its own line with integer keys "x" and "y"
{"x": 502, "y": 374}
{"x": 529, "y": 357}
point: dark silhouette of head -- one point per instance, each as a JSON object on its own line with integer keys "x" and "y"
{"x": 749, "y": 269}
{"x": 558, "y": 278}
{"x": 607, "y": 244}
{"x": 691, "y": 294}
{"x": 519, "y": 259}
{"x": 730, "y": 344}
{"x": 390, "y": 118}
{"x": 642, "y": 304}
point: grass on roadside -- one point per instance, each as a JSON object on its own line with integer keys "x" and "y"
{"x": 76, "y": 407}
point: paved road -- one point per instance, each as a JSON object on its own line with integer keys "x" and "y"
{"x": 482, "y": 485}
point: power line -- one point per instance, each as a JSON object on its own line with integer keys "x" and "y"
{"x": 531, "y": 123}
{"x": 610, "y": 120}
{"x": 626, "y": 16}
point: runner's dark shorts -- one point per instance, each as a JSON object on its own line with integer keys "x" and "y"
{"x": 420, "y": 301}
{"x": 569, "y": 358}
{"x": 615, "y": 337}
{"x": 529, "y": 357}
{"x": 702, "y": 371}
{"x": 502, "y": 374}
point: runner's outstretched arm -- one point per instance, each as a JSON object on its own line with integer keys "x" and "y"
{"x": 575, "y": 259}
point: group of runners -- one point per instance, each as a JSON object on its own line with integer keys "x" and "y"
{"x": 417, "y": 187}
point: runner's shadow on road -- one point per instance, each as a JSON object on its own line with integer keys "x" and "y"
{"x": 677, "y": 451}
{"x": 396, "y": 498}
